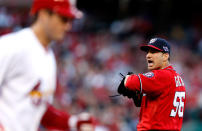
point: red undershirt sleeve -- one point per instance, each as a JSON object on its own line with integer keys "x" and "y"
{"x": 55, "y": 119}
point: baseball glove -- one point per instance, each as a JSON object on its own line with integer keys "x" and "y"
{"x": 135, "y": 95}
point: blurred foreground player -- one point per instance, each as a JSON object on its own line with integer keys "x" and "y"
{"x": 162, "y": 91}
{"x": 28, "y": 70}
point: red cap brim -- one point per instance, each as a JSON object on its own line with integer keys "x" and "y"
{"x": 147, "y": 47}
{"x": 69, "y": 13}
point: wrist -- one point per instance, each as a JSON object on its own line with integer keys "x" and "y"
{"x": 126, "y": 78}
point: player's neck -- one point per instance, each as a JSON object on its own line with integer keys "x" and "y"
{"x": 41, "y": 35}
{"x": 165, "y": 64}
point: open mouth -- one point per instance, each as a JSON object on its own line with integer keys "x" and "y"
{"x": 150, "y": 62}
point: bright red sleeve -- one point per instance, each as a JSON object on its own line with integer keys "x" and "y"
{"x": 133, "y": 82}
{"x": 150, "y": 83}
{"x": 155, "y": 82}
{"x": 55, "y": 119}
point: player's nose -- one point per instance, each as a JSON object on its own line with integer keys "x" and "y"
{"x": 148, "y": 55}
{"x": 68, "y": 26}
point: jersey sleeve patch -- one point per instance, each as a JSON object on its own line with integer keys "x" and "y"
{"x": 149, "y": 74}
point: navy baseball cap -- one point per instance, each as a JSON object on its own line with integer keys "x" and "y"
{"x": 158, "y": 44}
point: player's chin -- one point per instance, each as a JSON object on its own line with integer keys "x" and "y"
{"x": 150, "y": 68}
{"x": 59, "y": 37}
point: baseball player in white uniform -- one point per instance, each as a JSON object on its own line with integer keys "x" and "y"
{"x": 28, "y": 69}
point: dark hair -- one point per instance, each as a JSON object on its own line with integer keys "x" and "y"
{"x": 35, "y": 16}
{"x": 50, "y": 12}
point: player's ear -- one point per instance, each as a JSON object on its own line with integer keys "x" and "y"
{"x": 166, "y": 56}
{"x": 44, "y": 14}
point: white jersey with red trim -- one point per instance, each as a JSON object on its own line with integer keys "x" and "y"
{"x": 27, "y": 80}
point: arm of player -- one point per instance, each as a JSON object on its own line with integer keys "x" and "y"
{"x": 134, "y": 87}
{"x": 132, "y": 82}
{"x": 7, "y": 60}
{"x": 54, "y": 119}
{"x": 150, "y": 83}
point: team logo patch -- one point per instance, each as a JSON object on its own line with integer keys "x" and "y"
{"x": 152, "y": 40}
{"x": 149, "y": 74}
{"x": 165, "y": 48}
{"x": 35, "y": 94}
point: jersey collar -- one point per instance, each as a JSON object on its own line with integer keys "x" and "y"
{"x": 170, "y": 67}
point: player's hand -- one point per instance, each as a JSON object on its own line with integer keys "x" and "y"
{"x": 123, "y": 90}
{"x": 135, "y": 95}
{"x": 85, "y": 122}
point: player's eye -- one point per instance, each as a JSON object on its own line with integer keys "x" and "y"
{"x": 65, "y": 19}
{"x": 153, "y": 51}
